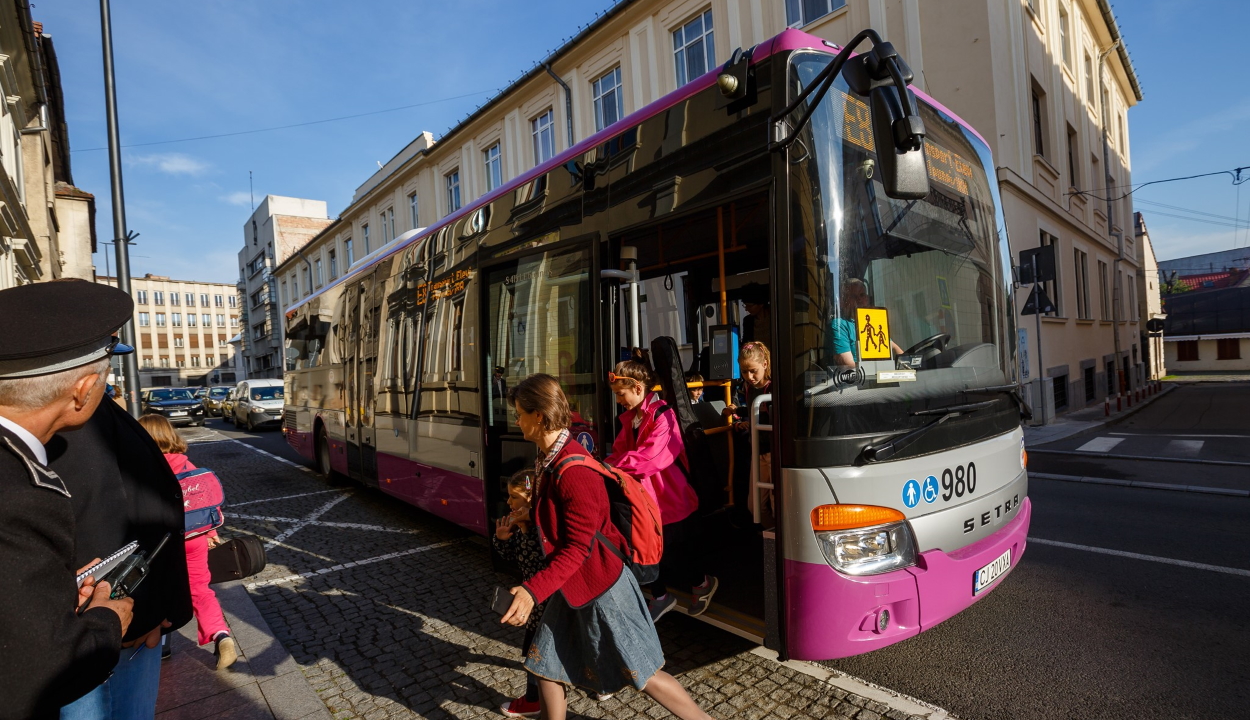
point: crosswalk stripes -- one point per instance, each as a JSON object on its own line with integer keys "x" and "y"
{"x": 1184, "y": 448}
{"x": 1100, "y": 444}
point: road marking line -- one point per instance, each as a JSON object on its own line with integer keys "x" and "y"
{"x": 1205, "y": 489}
{"x": 1139, "y": 556}
{"x": 326, "y": 523}
{"x": 1185, "y": 448}
{"x": 283, "y": 497}
{"x": 345, "y": 566}
{"x": 858, "y": 686}
{"x": 1100, "y": 444}
{"x": 282, "y": 460}
{"x": 264, "y": 518}
{"x": 305, "y": 522}
{"x": 1169, "y": 435}
{"x": 1149, "y": 458}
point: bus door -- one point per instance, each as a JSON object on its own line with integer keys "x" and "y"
{"x": 540, "y": 317}
{"x": 360, "y": 364}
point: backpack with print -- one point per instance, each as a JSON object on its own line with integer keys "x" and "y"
{"x": 202, "y": 498}
{"x": 635, "y": 515}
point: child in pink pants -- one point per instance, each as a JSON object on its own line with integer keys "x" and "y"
{"x": 211, "y": 623}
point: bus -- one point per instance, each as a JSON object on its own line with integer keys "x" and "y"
{"x": 801, "y": 196}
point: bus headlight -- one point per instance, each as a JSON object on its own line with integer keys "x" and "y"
{"x": 850, "y": 547}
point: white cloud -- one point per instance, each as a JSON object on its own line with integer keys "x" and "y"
{"x": 172, "y": 163}
{"x": 239, "y": 198}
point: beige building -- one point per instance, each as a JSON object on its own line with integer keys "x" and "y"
{"x": 46, "y": 224}
{"x": 1150, "y": 303}
{"x": 183, "y": 328}
{"x": 274, "y": 232}
{"x": 1035, "y": 77}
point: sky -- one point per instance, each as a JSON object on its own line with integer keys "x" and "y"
{"x": 187, "y": 70}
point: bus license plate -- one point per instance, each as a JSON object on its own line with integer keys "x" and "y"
{"x": 986, "y": 576}
{"x": 178, "y": 413}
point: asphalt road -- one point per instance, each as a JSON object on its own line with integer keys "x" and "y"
{"x": 1075, "y": 633}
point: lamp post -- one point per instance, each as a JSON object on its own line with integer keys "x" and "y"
{"x": 121, "y": 237}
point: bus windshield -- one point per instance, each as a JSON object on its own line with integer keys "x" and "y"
{"x": 909, "y": 296}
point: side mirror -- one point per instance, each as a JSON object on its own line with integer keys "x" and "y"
{"x": 899, "y": 139}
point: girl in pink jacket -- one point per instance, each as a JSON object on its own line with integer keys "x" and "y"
{"x": 649, "y": 448}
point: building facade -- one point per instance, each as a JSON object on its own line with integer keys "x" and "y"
{"x": 1047, "y": 81}
{"x": 276, "y": 230}
{"x": 1150, "y": 303}
{"x": 41, "y": 235}
{"x": 1207, "y": 302}
{"x": 183, "y": 330}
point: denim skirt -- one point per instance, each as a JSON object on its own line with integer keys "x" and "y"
{"x": 603, "y": 646}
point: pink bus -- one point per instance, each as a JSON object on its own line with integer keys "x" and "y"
{"x": 800, "y": 196}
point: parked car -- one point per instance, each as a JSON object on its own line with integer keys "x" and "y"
{"x": 258, "y": 403}
{"x": 227, "y": 406}
{"x": 213, "y": 399}
{"x": 178, "y": 405}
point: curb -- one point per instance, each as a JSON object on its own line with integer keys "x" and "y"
{"x": 1147, "y": 458}
{"x": 1204, "y": 489}
{"x": 1094, "y": 425}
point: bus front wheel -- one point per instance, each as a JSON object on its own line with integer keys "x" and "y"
{"x": 323, "y": 453}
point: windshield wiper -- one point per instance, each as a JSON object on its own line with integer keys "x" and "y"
{"x": 890, "y": 448}
{"x": 1026, "y": 412}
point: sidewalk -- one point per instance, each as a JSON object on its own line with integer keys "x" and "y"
{"x": 1090, "y": 418}
{"x": 1205, "y": 377}
{"x": 264, "y": 684}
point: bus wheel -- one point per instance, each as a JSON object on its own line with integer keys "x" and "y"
{"x": 323, "y": 454}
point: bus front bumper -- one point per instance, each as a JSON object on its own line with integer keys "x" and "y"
{"x": 830, "y": 615}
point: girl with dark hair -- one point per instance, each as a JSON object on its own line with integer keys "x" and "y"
{"x": 595, "y": 631}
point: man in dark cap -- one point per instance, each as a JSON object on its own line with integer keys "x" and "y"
{"x": 57, "y": 340}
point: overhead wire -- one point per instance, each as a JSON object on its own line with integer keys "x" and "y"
{"x": 1235, "y": 172}
{"x": 292, "y": 125}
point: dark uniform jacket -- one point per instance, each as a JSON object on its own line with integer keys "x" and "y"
{"x": 122, "y": 490}
{"x": 48, "y": 655}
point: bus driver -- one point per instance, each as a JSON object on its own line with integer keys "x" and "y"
{"x": 845, "y": 334}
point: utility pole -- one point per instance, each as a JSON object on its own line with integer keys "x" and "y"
{"x": 1116, "y": 310}
{"x": 121, "y": 237}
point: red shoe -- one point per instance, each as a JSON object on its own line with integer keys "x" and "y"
{"x": 520, "y": 708}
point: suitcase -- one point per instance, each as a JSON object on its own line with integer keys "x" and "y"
{"x": 236, "y": 559}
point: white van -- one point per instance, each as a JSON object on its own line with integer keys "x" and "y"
{"x": 258, "y": 403}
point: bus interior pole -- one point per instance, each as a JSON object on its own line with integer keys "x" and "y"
{"x": 724, "y": 298}
{"x": 121, "y": 237}
{"x": 1037, "y": 318}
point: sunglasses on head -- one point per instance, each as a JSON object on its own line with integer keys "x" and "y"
{"x": 613, "y": 377}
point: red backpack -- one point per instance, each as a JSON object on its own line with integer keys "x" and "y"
{"x": 202, "y": 498}
{"x": 635, "y": 515}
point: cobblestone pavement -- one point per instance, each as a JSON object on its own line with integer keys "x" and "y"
{"x": 385, "y": 609}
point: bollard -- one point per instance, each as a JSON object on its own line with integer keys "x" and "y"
{"x": 1118, "y": 400}
{"x": 1106, "y": 407}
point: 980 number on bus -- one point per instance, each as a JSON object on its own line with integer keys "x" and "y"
{"x": 959, "y": 482}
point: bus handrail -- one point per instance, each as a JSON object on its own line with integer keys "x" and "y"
{"x": 756, "y": 427}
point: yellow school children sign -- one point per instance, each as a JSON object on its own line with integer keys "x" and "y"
{"x": 873, "y": 328}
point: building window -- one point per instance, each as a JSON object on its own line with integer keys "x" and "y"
{"x": 1091, "y": 391}
{"x": 147, "y": 362}
{"x": 348, "y": 253}
{"x": 181, "y": 363}
{"x": 1104, "y": 292}
{"x": 160, "y": 319}
{"x": 364, "y": 236}
{"x": 387, "y": 219}
{"x": 1089, "y": 79}
{"x": 694, "y": 52}
{"x": 234, "y": 321}
{"x": 158, "y": 297}
{"x": 1071, "y": 157}
{"x": 282, "y": 294}
{"x": 203, "y": 300}
{"x": 413, "y": 215}
{"x": 190, "y": 299}
{"x": 234, "y": 301}
{"x": 221, "y": 321}
{"x": 334, "y": 267}
{"x": 174, "y": 299}
{"x": 206, "y": 320}
{"x": 1060, "y": 392}
{"x": 1123, "y": 139}
{"x": 544, "y": 132}
{"x": 317, "y": 272}
{"x": 308, "y": 286}
{"x": 494, "y": 167}
{"x": 1039, "y": 129}
{"x": 195, "y": 361}
{"x": 1226, "y": 349}
{"x": 164, "y": 362}
{"x": 1132, "y": 298}
{"x": 178, "y": 341}
{"x": 609, "y": 103}
{"x": 143, "y": 320}
{"x": 1065, "y": 37}
{"x": 294, "y": 289}
{"x": 190, "y": 319}
{"x": 141, "y": 296}
{"x": 457, "y": 335}
{"x": 452, "y": 183}
{"x": 1187, "y": 350}
{"x": 802, "y": 12}
{"x": 1080, "y": 267}
{"x": 211, "y": 360}
{"x": 1051, "y": 287}
{"x": 217, "y": 301}
{"x": 176, "y": 320}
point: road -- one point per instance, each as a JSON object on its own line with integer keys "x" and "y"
{"x": 1074, "y": 633}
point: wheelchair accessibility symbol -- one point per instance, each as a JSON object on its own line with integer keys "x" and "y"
{"x": 930, "y": 490}
{"x": 911, "y": 493}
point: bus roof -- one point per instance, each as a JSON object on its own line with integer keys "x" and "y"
{"x": 790, "y": 39}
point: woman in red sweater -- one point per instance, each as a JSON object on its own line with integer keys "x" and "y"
{"x": 595, "y": 631}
